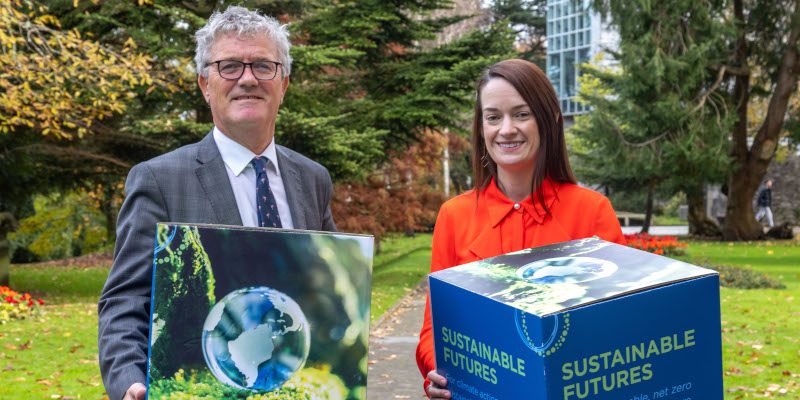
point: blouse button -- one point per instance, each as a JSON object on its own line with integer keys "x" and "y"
{"x": 516, "y": 206}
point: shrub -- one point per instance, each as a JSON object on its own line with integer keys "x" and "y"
{"x": 742, "y": 278}
{"x": 15, "y": 305}
{"x": 662, "y": 245}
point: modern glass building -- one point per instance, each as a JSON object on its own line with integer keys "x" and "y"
{"x": 575, "y": 35}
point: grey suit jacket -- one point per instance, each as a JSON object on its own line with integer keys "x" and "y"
{"x": 189, "y": 184}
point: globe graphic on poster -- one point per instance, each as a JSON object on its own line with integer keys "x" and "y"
{"x": 566, "y": 270}
{"x": 255, "y": 339}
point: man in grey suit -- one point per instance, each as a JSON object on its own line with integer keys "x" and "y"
{"x": 243, "y": 66}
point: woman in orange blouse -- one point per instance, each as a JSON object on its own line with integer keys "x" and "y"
{"x": 525, "y": 193}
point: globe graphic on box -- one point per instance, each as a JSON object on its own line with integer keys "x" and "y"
{"x": 566, "y": 270}
{"x": 255, "y": 338}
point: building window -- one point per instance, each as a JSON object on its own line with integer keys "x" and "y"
{"x": 583, "y": 56}
{"x": 569, "y": 73}
{"x": 554, "y": 72}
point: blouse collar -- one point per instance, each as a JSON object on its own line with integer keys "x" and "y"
{"x": 499, "y": 205}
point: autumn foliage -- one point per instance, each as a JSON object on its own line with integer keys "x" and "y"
{"x": 403, "y": 196}
{"x": 58, "y": 82}
{"x": 661, "y": 245}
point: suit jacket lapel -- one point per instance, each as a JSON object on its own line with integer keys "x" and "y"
{"x": 292, "y": 184}
{"x": 214, "y": 180}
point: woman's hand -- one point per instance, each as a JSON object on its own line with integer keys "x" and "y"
{"x": 436, "y": 390}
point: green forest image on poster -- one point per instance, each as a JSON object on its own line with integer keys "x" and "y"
{"x": 249, "y": 313}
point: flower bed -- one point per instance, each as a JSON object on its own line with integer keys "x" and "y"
{"x": 662, "y": 245}
{"x": 15, "y": 305}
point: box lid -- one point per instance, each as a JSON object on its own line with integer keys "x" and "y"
{"x": 551, "y": 279}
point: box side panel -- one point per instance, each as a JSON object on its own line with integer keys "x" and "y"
{"x": 479, "y": 348}
{"x": 664, "y": 343}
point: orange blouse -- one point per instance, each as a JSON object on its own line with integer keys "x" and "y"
{"x": 465, "y": 232}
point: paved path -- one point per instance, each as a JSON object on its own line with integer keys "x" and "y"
{"x": 392, "y": 369}
{"x": 678, "y": 230}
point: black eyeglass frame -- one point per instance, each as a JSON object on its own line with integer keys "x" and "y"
{"x": 244, "y": 66}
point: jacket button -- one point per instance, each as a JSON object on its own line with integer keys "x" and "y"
{"x": 516, "y": 206}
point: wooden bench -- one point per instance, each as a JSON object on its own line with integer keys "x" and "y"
{"x": 625, "y": 218}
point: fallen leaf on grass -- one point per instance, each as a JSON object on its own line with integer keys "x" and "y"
{"x": 44, "y": 382}
{"x": 733, "y": 371}
{"x": 93, "y": 384}
{"x": 75, "y": 348}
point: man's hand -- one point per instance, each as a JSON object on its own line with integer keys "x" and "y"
{"x": 137, "y": 391}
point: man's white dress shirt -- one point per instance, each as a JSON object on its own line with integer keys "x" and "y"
{"x": 243, "y": 179}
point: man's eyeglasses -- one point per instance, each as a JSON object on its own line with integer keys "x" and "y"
{"x": 233, "y": 69}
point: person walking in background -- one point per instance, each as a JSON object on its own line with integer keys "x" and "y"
{"x": 764, "y": 202}
{"x": 236, "y": 175}
{"x": 525, "y": 193}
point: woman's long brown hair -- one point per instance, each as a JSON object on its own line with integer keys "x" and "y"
{"x": 537, "y": 91}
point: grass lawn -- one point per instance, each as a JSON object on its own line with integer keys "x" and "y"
{"x": 400, "y": 266}
{"x": 54, "y": 355}
{"x": 760, "y": 327}
{"x": 661, "y": 220}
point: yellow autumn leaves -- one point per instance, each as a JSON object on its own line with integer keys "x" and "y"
{"x": 59, "y": 83}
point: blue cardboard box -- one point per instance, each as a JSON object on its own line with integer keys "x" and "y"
{"x": 584, "y": 319}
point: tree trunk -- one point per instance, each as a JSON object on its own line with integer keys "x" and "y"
{"x": 699, "y": 223}
{"x": 7, "y": 224}
{"x": 109, "y": 213}
{"x": 648, "y": 213}
{"x": 446, "y": 166}
{"x": 750, "y": 166}
{"x": 5, "y": 260}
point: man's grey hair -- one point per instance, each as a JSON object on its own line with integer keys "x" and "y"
{"x": 244, "y": 23}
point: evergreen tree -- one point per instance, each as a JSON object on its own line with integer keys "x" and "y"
{"x": 528, "y": 19}
{"x": 657, "y": 116}
{"x": 363, "y": 86}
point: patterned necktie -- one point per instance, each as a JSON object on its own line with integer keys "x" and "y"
{"x": 267, "y": 208}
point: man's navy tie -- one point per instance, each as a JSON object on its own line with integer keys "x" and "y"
{"x": 267, "y": 208}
